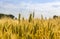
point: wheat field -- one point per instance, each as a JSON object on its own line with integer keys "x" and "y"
{"x": 30, "y": 28}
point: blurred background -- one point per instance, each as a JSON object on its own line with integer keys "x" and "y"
{"x": 47, "y": 8}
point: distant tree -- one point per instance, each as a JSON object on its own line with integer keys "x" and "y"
{"x": 55, "y": 16}
{"x": 5, "y": 15}
{"x": 11, "y": 16}
{"x": 15, "y": 18}
{"x": 1, "y": 15}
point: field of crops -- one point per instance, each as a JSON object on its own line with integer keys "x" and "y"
{"x": 30, "y": 28}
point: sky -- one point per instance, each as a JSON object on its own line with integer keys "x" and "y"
{"x": 47, "y": 8}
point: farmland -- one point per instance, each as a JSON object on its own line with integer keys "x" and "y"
{"x": 29, "y": 28}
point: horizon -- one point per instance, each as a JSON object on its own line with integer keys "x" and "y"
{"x": 47, "y": 8}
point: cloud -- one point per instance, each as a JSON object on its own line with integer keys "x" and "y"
{"x": 46, "y": 9}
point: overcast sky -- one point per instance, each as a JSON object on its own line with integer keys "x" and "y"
{"x": 47, "y": 8}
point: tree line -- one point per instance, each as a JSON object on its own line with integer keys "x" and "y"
{"x": 19, "y": 16}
